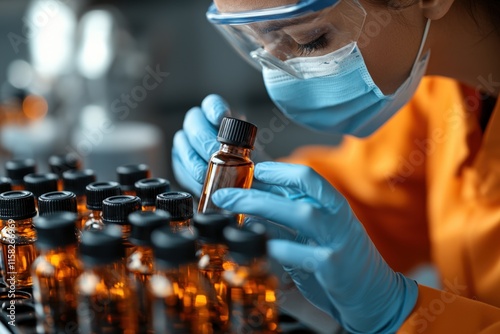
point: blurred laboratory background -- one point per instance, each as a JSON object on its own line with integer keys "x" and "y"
{"x": 110, "y": 82}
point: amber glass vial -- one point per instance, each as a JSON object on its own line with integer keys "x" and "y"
{"x": 128, "y": 175}
{"x": 55, "y": 272}
{"x": 148, "y": 189}
{"x": 251, "y": 289}
{"x": 106, "y": 296}
{"x": 76, "y": 181}
{"x": 178, "y": 290}
{"x": 62, "y": 163}
{"x": 213, "y": 261}
{"x": 18, "y": 236}
{"x": 231, "y": 166}
{"x": 17, "y": 169}
{"x": 140, "y": 263}
{"x": 115, "y": 210}
{"x": 59, "y": 201}
{"x": 96, "y": 193}
{"x": 180, "y": 207}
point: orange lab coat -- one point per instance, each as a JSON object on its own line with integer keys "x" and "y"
{"x": 427, "y": 188}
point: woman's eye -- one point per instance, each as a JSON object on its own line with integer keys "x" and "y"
{"x": 318, "y": 44}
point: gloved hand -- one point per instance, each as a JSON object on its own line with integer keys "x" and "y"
{"x": 197, "y": 141}
{"x": 331, "y": 259}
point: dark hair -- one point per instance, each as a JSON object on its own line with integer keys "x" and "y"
{"x": 474, "y": 7}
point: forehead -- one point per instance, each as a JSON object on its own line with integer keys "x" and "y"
{"x": 232, "y": 6}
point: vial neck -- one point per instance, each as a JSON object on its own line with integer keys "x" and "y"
{"x": 21, "y": 223}
{"x": 68, "y": 249}
{"x": 230, "y": 149}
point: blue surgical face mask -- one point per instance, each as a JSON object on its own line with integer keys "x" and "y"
{"x": 340, "y": 97}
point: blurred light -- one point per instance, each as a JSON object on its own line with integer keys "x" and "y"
{"x": 95, "y": 55}
{"x": 20, "y": 74}
{"x": 35, "y": 107}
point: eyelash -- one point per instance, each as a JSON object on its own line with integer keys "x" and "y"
{"x": 319, "y": 43}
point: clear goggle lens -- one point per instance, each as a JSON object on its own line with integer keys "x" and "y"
{"x": 278, "y": 37}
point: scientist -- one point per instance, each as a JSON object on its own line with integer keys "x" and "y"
{"x": 416, "y": 180}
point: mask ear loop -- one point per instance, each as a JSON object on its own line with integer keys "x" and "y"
{"x": 422, "y": 44}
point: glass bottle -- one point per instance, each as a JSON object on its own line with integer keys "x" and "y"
{"x": 55, "y": 272}
{"x": 180, "y": 207}
{"x": 17, "y": 169}
{"x": 40, "y": 184}
{"x": 76, "y": 181}
{"x": 213, "y": 261}
{"x": 115, "y": 210}
{"x": 106, "y": 296}
{"x": 59, "y": 201}
{"x": 96, "y": 193}
{"x": 148, "y": 189}
{"x": 251, "y": 289}
{"x": 128, "y": 175}
{"x": 231, "y": 166}
{"x": 179, "y": 292}
{"x": 61, "y": 163}
{"x": 18, "y": 236}
{"x": 140, "y": 263}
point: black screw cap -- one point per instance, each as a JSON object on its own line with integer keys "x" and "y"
{"x": 173, "y": 249}
{"x": 40, "y": 184}
{"x": 56, "y": 230}
{"x": 115, "y": 209}
{"x": 210, "y": 226}
{"x": 143, "y": 223}
{"x": 99, "y": 191}
{"x": 57, "y": 201}
{"x": 17, "y": 205}
{"x": 5, "y": 184}
{"x": 17, "y": 169}
{"x": 76, "y": 181}
{"x": 236, "y": 132}
{"x": 148, "y": 189}
{"x": 64, "y": 162}
{"x": 128, "y": 175}
{"x": 178, "y": 204}
{"x": 246, "y": 243}
{"x": 102, "y": 247}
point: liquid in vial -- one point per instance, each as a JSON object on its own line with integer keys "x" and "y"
{"x": 17, "y": 237}
{"x": 231, "y": 166}
{"x": 55, "y": 272}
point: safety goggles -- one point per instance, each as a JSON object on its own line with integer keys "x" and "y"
{"x": 279, "y": 37}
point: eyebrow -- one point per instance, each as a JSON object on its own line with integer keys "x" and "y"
{"x": 275, "y": 26}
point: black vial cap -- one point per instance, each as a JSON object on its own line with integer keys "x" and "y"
{"x": 102, "y": 247}
{"x": 115, "y": 209}
{"x": 57, "y": 201}
{"x": 55, "y": 230}
{"x": 99, "y": 191}
{"x": 236, "y": 132}
{"x": 143, "y": 223}
{"x": 77, "y": 181}
{"x": 178, "y": 204}
{"x": 40, "y": 184}
{"x": 17, "y": 205}
{"x": 128, "y": 175}
{"x": 210, "y": 226}
{"x": 246, "y": 243}
{"x": 63, "y": 162}
{"x": 17, "y": 169}
{"x": 5, "y": 184}
{"x": 148, "y": 189}
{"x": 173, "y": 249}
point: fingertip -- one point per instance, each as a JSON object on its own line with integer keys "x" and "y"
{"x": 215, "y": 108}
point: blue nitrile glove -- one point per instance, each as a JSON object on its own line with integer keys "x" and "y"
{"x": 332, "y": 260}
{"x": 197, "y": 141}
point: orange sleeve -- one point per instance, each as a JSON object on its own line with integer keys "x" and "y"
{"x": 439, "y": 312}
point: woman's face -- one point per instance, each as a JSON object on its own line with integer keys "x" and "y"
{"x": 389, "y": 39}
